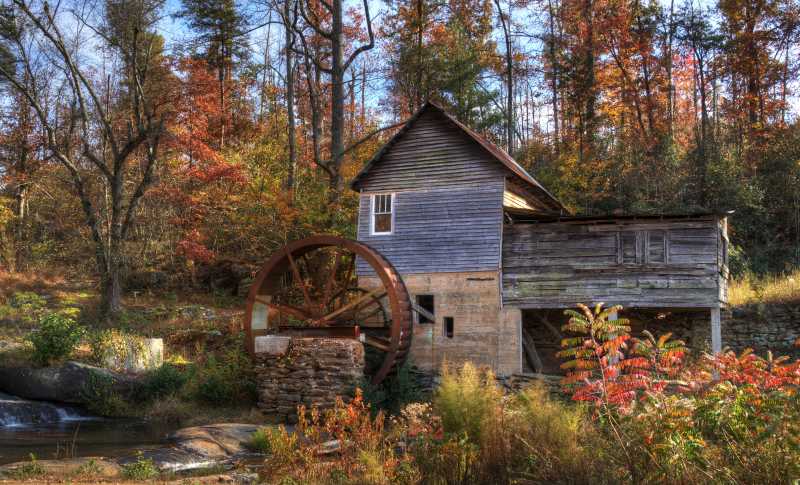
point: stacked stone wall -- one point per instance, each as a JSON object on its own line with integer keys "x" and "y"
{"x": 309, "y": 371}
{"x": 774, "y": 327}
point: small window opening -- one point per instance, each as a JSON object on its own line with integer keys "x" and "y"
{"x": 425, "y": 302}
{"x": 382, "y": 210}
{"x": 448, "y": 327}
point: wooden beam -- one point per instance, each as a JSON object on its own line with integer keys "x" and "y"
{"x": 716, "y": 331}
{"x": 290, "y": 310}
{"x": 421, "y": 311}
{"x": 377, "y": 342}
{"x": 530, "y": 351}
{"x": 377, "y": 293}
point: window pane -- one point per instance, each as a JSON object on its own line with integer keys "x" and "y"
{"x": 627, "y": 248}
{"x": 656, "y": 247}
{"x": 383, "y": 223}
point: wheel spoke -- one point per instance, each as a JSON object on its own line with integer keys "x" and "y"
{"x": 353, "y": 304}
{"x": 299, "y": 281}
{"x": 326, "y": 295}
{"x": 290, "y": 310}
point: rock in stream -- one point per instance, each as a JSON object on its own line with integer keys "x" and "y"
{"x": 64, "y": 384}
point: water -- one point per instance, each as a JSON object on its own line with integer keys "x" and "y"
{"x": 52, "y": 431}
{"x": 107, "y": 438}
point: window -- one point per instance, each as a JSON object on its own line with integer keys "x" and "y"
{"x": 642, "y": 247}
{"x": 657, "y": 247}
{"x": 628, "y": 242}
{"x": 425, "y": 302}
{"x": 448, "y": 327}
{"x": 382, "y": 214}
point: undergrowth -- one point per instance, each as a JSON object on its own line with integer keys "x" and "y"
{"x": 751, "y": 289}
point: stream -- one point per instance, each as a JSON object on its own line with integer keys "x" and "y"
{"x": 50, "y": 431}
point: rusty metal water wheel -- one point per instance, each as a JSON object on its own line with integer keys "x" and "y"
{"x": 310, "y": 288}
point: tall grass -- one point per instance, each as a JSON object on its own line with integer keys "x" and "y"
{"x": 752, "y": 289}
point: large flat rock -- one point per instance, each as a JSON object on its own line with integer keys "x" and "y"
{"x": 200, "y": 447}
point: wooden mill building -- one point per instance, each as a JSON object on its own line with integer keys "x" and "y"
{"x": 491, "y": 258}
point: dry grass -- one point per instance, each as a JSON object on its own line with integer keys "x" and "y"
{"x": 751, "y": 289}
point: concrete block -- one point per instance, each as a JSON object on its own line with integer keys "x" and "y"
{"x": 272, "y": 344}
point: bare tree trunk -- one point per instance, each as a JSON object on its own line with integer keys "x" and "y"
{"x": 554, "y": 78}
{"x": 290, "y": 118}
{"x": 505, "y": 21}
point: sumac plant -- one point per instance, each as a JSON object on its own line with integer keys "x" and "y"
{"x": 608, "y": 367}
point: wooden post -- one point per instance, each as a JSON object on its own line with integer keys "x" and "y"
{"x": 716, "y": 331}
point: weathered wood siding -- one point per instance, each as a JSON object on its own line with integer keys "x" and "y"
{"x": 442, "y": 230}
{"x": 636, "y": 263}
{"x": 432, "y": 153}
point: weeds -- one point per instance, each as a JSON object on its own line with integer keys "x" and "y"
{"x": 30, "y": 469}
{"x": 141, "y": 469}
{"x": 752, "y": 289}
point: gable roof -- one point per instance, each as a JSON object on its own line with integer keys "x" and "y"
{"x": 524, "y": 180}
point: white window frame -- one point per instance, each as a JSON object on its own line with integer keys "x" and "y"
{"x": 372, "y": 214}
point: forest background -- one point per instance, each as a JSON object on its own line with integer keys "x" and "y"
{"x": 152, "y": 143}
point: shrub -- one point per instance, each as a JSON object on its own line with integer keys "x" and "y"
{"x": 395, "y": 392}
{"x": 141, "y": 469}
{"x": 225, "y": 380}
{"x": 467, "y": 402}
{"x": 366, "y": 452}
{"x": 166, "y": 380}
{"x": 260, "y": 441}
{"x": 549, "y": 439}
{"x": 274, "y": 441}
{"x": 102, "y": 398}
{"x": 55, "y": 339}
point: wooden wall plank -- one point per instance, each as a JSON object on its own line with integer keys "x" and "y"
{"x": 665, "y": 263}
{"x": 452, "y": 229}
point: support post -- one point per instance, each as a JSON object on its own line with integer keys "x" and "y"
{"x": 716, "y": 331}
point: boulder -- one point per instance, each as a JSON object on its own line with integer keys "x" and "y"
{"x": 199, "y": 447}
{"x": 215, "y": 440}
{"x": 66, "y": 383}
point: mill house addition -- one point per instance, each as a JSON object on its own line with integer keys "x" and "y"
{"x": 491, "y": 258}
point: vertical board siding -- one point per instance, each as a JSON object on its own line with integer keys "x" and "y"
{"x": 555, "y": 265}
{"x": 433, "y": 153}
{"x": 443, "y": 230}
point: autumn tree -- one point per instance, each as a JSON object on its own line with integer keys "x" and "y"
{"x": 96, "y": 131}
{"x": 220, "y": 29}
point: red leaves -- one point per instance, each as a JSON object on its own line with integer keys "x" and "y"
{"x": 608, "y": 372}
{"x": 193, "y": 249}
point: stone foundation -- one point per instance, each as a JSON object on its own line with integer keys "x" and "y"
{"x": 763, "y": 327}
{"x": 309, "y": 371}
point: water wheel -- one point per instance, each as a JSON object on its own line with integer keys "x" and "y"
{"x": 310, "y": 288}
